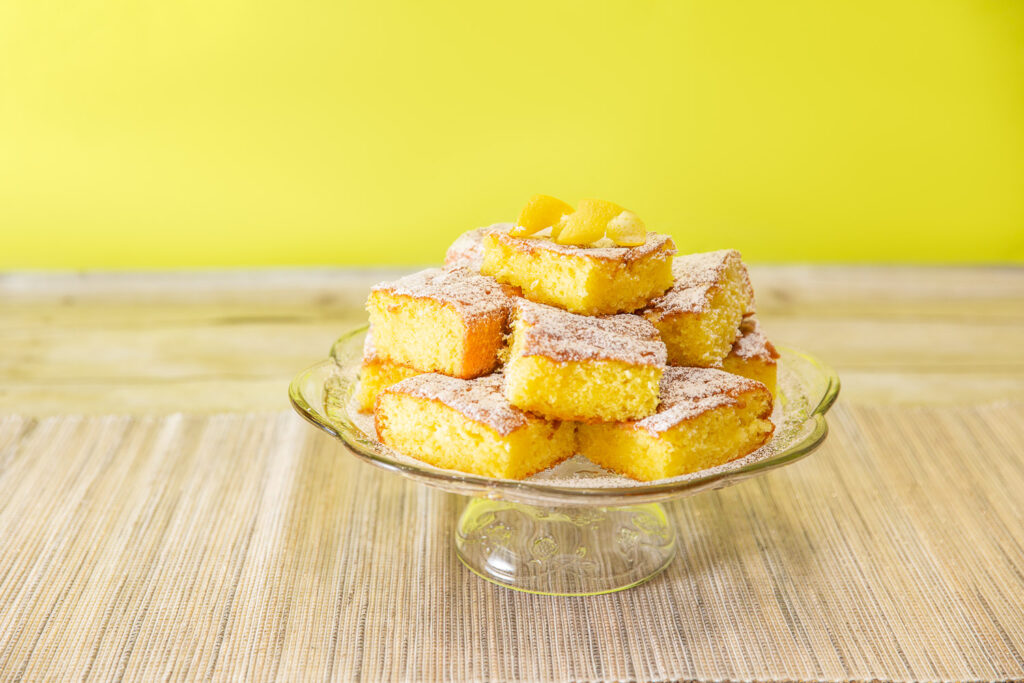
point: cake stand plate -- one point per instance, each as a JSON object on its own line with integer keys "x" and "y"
{"x": 575, "y": 529}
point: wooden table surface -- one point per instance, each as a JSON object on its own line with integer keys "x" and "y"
{"x": 230, "y": 341}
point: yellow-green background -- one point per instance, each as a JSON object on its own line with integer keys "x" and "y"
{"x": 155, "y": 133}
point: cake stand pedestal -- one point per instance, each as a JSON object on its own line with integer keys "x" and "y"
{"x": 567, "y": 550}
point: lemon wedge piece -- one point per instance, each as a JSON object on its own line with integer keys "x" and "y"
{"x": 588, "y": 223}
{"x": 540, "y": 212}
{"x": 627, "y": 230}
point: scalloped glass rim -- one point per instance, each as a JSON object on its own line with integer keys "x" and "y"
{"x": 817, "y": 384}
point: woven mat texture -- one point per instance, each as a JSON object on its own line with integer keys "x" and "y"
{"x": 253, "y": 547}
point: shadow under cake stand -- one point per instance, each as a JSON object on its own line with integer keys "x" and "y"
{"x": 574, "y": 529}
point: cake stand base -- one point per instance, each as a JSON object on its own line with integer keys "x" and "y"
{"x": 573, "y": 550}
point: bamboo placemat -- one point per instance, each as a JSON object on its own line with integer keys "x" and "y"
{"x": 251, "y": 546}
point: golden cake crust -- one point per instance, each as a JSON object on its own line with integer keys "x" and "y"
{"x": 707, "y": 417}
{"x": 566, "y": 366}
{"x": 696, "y": 277}
{"x": 689, "y": 392}
{"x": 587, "y": 280}
{"x": 471, "y": 295}
{"x": 448, "y": 320}
{"x": 752, "y": 344}
{"x": 562, "y": 336}
{"x": 467, "y": 251}
{"x": 467, "y": 425}
{"x": 699, "y": 315}
{"x": 480, "y": 400}
{"x": 530, "y": 245}
{"x": 752, "y": 355}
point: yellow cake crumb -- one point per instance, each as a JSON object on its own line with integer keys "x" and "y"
{"x": 467, "y": 425}
{"x": 377, "y": 374}
{"x": 441, "y": 320}
{"x": 573, "y": 367}
{"x": 594, "y": 281}
{"x": 707, "y": 417}
{"x": 753, "y": 356}
{"x": 699, "y": 316}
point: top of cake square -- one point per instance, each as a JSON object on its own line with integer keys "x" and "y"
{"x": 689, "y": 392}
{"x": 562, "y": 336}
{"x": 695, "y": 275}
{"x": 752, "y": 342}
{"x": 467, "y": 251}
{"x": 472, "y": 295}
{"x": 603, "y": 250}
{"x": 480, "y": 399}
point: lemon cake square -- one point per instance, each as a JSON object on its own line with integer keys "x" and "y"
{"x": 752, "y": 355}
{"x": 448, "y": 320}
{"x": 467, "y": 251}
{"x": 467, "y": 425}
{"x": 376, "y": 374}
{"x": 573, "y": 367}
{"x": 698, "y": 317}
{"x": 707, "y": 417}
{"x": 598, "y": 280}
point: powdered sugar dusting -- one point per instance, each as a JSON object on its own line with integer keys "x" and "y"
{"x": 689, "y": 392}
{"x": 752, "y": 342}
{"x": 704, "y": 268}
{"x": 471, "y": 294}
{"x": 657, "y": 244}
{"x": 467, "y": 251}
{"x": 695, "y": 275}
{"x": 562, "y": 336}
{"x": 480, "y": 399}
{"x": 369, "y": 350}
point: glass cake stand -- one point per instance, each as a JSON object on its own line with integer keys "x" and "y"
{"x": 575, "y": 529}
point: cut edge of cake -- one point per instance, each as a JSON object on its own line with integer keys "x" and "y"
{"x": 377, "y": 374}
{"x": 586, "y": 280}
{"x": 707, "y": 418}
{"x": 467, "y": 425}
{"x": 447, "y": 320}
{"x": 698, "y": 317}
{"x": 753, "y": 355}
{"x": 572, "y": 367}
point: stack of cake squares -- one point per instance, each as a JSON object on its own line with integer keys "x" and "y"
{"x": 521, "y": 352}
